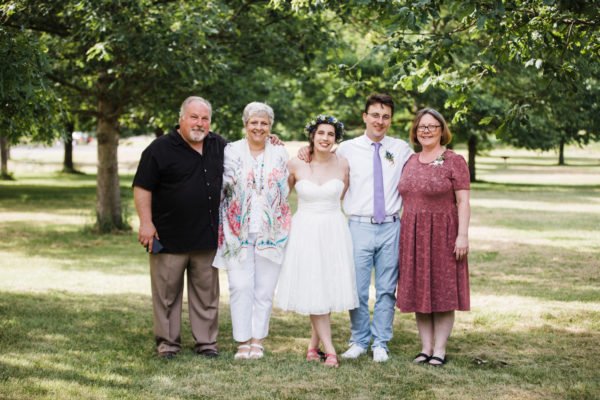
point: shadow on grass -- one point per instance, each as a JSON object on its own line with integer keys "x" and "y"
{"x": 514, "y": 163}
{"x": 74, "y": 247}
{"x": 60, "y": 345}
{"x": 542, "y": 272}
{"x": 57, "y": 340}
{"x": 531, "y": 220}
{"x": 23, "y": 197}
{"x": 482, "y": 185}
{"x": 56, "y": 197}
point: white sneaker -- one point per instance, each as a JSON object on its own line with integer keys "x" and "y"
{"x": 354, "y": 352}
{"x": 380, "y": 354}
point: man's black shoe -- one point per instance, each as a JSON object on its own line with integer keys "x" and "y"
{"x": 167, "y": 355}
{"x": 208, "y": 353}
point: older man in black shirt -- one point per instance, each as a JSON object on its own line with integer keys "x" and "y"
{"x": 177, "y": 192}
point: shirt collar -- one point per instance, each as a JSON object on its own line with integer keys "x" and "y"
{"x": 176, "y": 136}
{"x": 368, "y": 141}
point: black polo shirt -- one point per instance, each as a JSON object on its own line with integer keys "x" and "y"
{"x": 186, "y": 190}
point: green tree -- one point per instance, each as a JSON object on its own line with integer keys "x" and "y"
{"x": 550, "y": 117}
{"x": 26, "y": 100}
{"x": 469, "y": 48}
{"x": 121, "y": 57}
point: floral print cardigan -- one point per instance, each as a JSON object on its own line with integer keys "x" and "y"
{"x": 236, "y": 203}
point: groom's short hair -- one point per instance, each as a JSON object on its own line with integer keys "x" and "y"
{"x": 379, "y": 98}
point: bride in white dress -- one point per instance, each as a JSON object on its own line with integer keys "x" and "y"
{"x": 317, "y": 276}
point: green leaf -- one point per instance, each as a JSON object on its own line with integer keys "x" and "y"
{"x": 99, "y": 51}
{"x": 486, "y": 120}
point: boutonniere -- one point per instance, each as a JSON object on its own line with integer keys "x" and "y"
{"x": 438, "y": 161}
{"x": 389, "y": 156}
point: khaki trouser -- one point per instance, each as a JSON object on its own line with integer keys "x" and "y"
{"x": 167, "y": 275}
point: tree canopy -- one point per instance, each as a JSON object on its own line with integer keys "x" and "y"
{"x": 524, "y": 71}
{"x": 124, "y": 61}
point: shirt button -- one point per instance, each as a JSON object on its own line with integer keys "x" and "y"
{"x": 209, "y": 197}
{"x": 205, "y": 170}
{"x": 207, "y": 184}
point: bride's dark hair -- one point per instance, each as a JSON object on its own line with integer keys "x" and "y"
{"x": 311, "y": 128}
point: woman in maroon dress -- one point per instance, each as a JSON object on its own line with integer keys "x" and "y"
{"x": 434, "y": 278}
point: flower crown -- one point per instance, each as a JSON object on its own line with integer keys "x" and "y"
{"x": 326, "y": 119}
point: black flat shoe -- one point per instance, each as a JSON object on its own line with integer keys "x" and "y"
{"x": 208, "y": 353}
{"x": 167, "y": 355}
{"x": 426, "y": 358}
{"x": 439, "y": 360}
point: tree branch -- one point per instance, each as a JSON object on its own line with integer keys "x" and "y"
{"x": 45, "y": 27}
{"x": 70, "y": 85}
{"x": 87, "y": 113}
{"x": 577, "y": 21}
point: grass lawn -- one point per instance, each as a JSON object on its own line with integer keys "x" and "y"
{"x": 76, "y": 318}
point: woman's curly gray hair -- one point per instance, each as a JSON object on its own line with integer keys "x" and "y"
{"x": 257, "y": 108}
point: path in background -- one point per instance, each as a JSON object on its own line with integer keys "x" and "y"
{"x": 503, "y": 165}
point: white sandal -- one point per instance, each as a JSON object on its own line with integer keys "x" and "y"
{"x": 256, "y": 351}
{"x": 243, "y": 352}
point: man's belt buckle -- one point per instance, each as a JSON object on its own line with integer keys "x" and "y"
{"x": 393, "y": 217}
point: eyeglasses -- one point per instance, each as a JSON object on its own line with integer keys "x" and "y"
{"x": 385, "y": 117}
{"x": 427, "y": 128}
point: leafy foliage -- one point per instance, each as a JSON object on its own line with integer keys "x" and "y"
{"x": 525, "y": 70}
{"x": 26, "y": 101}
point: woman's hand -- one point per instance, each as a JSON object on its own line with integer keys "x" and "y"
{"x": 461, "y": 247}
{"x": 304, "y": 154}
{"x": 275, "y": 141}
{"x": 146, "y": 233}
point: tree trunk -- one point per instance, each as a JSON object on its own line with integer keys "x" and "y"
{"x": 158, "y": 132}
{"x": 68, "y": 166}
{"x": 561, "y": 152}
{"x": 472, "y": 154}
{"x": 4, "y": 158}
{"x": 108, "y": 194}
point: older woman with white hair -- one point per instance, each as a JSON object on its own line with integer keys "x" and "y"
{"x": 254, "y": 225}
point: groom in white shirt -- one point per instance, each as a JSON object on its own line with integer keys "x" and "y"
{"x": 372, "y": 204}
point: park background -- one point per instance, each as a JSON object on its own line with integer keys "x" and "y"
{"x": 517, "y": 80}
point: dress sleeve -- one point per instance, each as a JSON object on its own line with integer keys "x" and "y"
{"x": 459, "y": 173}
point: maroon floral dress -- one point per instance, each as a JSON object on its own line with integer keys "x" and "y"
{"x": 430, "y": 278}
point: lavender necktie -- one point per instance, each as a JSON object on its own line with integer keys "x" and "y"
{"x": 378, "y": 199}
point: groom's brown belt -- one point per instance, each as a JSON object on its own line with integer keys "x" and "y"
{"x": 371, "y": 220}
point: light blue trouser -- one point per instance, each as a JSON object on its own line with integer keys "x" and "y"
{"x": 375, "y": 245}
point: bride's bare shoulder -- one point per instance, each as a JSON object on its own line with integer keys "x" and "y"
{"x": 296, "y": 164}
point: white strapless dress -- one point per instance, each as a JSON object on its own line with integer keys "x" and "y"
{"x": 317, "y": 276}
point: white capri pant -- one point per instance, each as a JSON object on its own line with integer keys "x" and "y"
{"x": 251, "y": 289}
